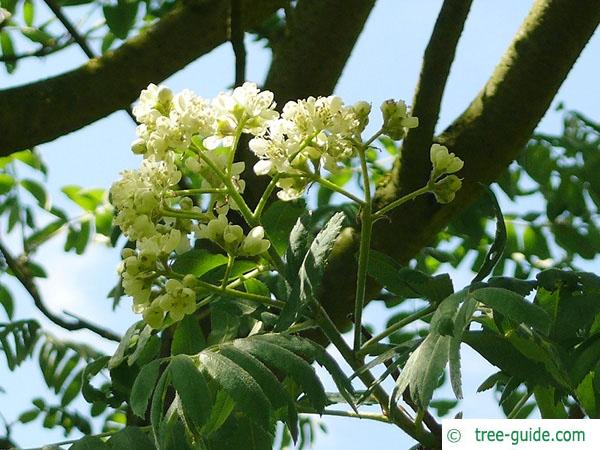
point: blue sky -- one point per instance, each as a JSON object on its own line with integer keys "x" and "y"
{"x": 384, "y": 64}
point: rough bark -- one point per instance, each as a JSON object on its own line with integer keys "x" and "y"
{"x": 44, "y": 110}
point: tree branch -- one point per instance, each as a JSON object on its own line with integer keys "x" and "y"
{"x": 237, "y": 42}
{"x": 437, "y": 60}
{"x": 21, "y": 273}
{"x": 111, "y": 82}
{"x": 318, "y": 42}
{"x": 81, "y": 41}
{"x": 488, "y": 136}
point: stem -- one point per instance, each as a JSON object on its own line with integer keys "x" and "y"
{"x": 398, "y": 415}
{"x": 236, "y": 140}
{"x": 364, "y": 250}
{"x": 397, "y": 326}
{"x": 265, "y": 197}
{"x": 517, "y": 409}
{"x": 263, "y": 300}
{"x": 71, "y": 441}
{"x": 402, "y": 200}
{"x": 372, "y": 138}
{"x": 182, "y": 192}
{"x": 334, "y": 187}
{"x": 243, "y": 207}
{"x": 230, "y": 261}
{"x": 333, "y": 412}
{"x": 181, "y": 214}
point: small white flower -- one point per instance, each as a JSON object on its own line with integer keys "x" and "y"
{"x": 443, "y": 161}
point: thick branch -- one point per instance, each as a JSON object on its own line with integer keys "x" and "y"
{"x": 437, "y": 60}
{"x": 488, "y": 136}
{"x": 21, "y": 273}
{"x": 318, "y": 42}
{"x": 44, "y": 110}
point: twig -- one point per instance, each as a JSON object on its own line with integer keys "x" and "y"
{"x": 236, "y": 36}
{"x": 352, "y": 414}
{"x": 45, "y": 50}
{"x": 21, "y": 272}
{"x": 77, "y": 37}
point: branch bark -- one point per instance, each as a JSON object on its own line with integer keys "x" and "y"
{"x": 437, "y": 60}
{"x": 488, "y": 136}
{"x": 319, "y": 38}
{"x": 109, "y": 83}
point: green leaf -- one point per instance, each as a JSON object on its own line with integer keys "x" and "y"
{"x": 157, "y": 406}
{"x": 8, "y": 50}
{"x": 6, "y": 301}
{"x": 192, "y": 389}
{"x": 462, "y": 321}
{"x": 406, "y": 282}
{"x": 18, "y": 341}
{"x": 143, "y": 387}
{"x": 239, "y": 384}
{"x": 6, "y": 183}
{"x": 310, "y": 274}
{"x": 38, "y": 191}
{"x": 299, "y": 243}
{"x": 89, "y": 392}
{"x": 120, "y": 18}
{"x": 119, "y": 354}
{"x": 89, "y": 443}
{"x": 29, "y": 416}
{"x": 130, "y": 438}
{"x": 545, "y": 398}
{"x": 198, "y": 262}
{"x": 188, "y": 338}
{"x": 28, "y": 12}
{"x": 87, "y": 199}
{"x": 495, "y": 252}
{"x": 38, "y": 36}
{"x": 277, "y": 395}
{"x": 285, "y": 361}
{"x": 311, "y": 351}
{"x": 72, "y": 389}
{"x": 279, "y": 219}
{"x": 498, "y": 351}
{"x": 426, "y": 364}
{"x": 515, "y": 307}
{"x": 221, "y": 409}
{"x": 41, "y": 236}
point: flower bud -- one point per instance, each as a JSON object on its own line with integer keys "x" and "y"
{"x": 396, "y": 119}
{"x": 443, "y": 161}
{"x": 445, "y": 189}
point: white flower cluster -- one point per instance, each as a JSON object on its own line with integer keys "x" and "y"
{"x": 310, "y": 134}
{"x": 183, "y": 135}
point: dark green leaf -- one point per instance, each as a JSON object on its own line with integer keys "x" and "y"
{"x": 515, "y": 307}
{"x": 143, "y": 387}
{"x": 6, "y": 301}
{"x": 38, "y": 191}
{"x": 192, "y": 389}
{"x": 279, "y": 219}
{"x": 289, "y": 363}
{"x": 198, "y": 262}
{"x": 188, "y": 337}
{"x": 277, "y": 395}
{"x": 239, "y": 384}
{"x": 120, "y": 18}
